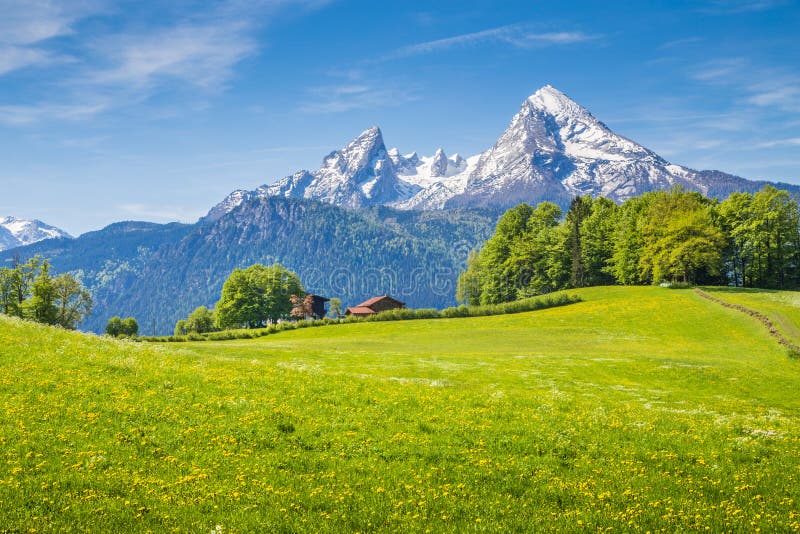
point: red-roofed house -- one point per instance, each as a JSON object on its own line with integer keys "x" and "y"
{"x": 375, "y": 305}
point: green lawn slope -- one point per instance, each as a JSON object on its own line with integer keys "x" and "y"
{"x": 782, "y": 307}
{"x": 636, "y": 409}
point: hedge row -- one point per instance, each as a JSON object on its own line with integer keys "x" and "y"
{"x": 403, "y": 314}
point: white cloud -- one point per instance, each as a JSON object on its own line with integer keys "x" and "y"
{"x": 680, "y": 42}
{"x": 30, "y": 114}
{"x": 16, "y": 57}
{"x": 793, "y": 141}
{"x": 28, "y": 22}
{"x": 518, "y": 35}
{"x": 719, "y": 70}
{"x": 340, "y": 98}
{"x": 27, "y": 25}
{"x": 202, "y": 55}
{"x": 194, "y": 45}
{"x": 758, "y": 85}
{"x": 780, "y": 93}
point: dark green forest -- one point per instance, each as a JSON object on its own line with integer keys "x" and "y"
{"x": 662, "y": 237}
{"x": 160, "y": 273}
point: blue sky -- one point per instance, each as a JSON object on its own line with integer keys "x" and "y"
{"x": 135, "y": 110}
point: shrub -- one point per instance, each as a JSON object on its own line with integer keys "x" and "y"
{"x": 676, "y": 285}
{"x": 403, "y": 314}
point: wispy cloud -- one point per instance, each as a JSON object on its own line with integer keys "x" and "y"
{"x": 32, "y": 21}
{"x": 731, "y": 108}
{"x": 782, "y": 93}
{"x": 355, "y": 90}
{"x": 27, "y": 25}
{"x": 85, "y": 143}
{"x": 25, "y": 115}
{"x": 776, "y": 143}
{"x": 760, "y": 86}
{"x": 718, "y": 70}
{"x": 195, "y": 48}
{"x": 201, "y": 54}
{"x": 517, "y": 35}
{"x": 676, "y": 43}
{"x": 16, "y": 57}
{"x": 347, "y": 97}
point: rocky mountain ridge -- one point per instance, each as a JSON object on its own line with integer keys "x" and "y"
{"x": 554, "y": 149}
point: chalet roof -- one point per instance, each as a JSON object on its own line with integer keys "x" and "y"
{"x": 360, "y": 310}
{"x": 369, "y": 303}
{"x": 320, "y": 297}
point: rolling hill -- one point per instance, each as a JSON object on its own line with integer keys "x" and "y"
{"x": 637, "y": 409}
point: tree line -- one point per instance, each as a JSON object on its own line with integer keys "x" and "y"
{"x": 676, "y": 236}
{"x": 28, "y": 291}
{"x": 119, "y": 327}
{"x": 254, "y": 297}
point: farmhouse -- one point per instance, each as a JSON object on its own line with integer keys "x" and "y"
{"x": 318, "y": 306}
{"x": 375, "y": 305}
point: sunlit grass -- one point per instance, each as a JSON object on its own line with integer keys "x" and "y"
{"x": 783, "y": 307}
{"x": 637, "y": 409}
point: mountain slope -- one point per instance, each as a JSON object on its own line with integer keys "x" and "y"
{"x": 107, "y": 261}
{"x": 553, "y": 149}
{"x": 16, "y": 232}
{"x": 160, "y": 273}
{"x": 361, "y": 174}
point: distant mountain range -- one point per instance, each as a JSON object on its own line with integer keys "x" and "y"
{"x": 554, "y": 149}
{"x": 16, "y": 232}
{"x": 369, "y": 221}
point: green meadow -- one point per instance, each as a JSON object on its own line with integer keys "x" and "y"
{"x": 782, "y": 307}
{"x": 637, "y": 409}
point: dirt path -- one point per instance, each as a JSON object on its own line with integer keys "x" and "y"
{"x": 794, "y": 350}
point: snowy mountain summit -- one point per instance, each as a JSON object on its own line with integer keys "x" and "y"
{"x": 20, "y": 232}
{"x": 554, "y": 149}
{"x": 360, "y": 174}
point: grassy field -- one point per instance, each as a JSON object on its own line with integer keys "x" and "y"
{"x": 637, "y": 409}
{"x": 783, "y": 307}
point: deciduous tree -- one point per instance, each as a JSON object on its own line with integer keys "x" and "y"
{"x": 253, "y": 296}
{"x": 302, "y": 307}
{"x": 72, "y": 301}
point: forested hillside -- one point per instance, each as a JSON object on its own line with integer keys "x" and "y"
{"x": 160, "y": 273}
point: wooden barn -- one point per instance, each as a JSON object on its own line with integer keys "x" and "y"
{"x": 375, "y": 305}
{"x": 318, "y": 306}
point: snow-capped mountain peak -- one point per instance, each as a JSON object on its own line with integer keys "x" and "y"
{"x": 439, "y": 164}
{"x": 353, "y": 159}
{"x": 16, "y": 232}
{"x": 360, "y": 174}
{"x": 553, "y": 149}
{"x": 551, "y": 100}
